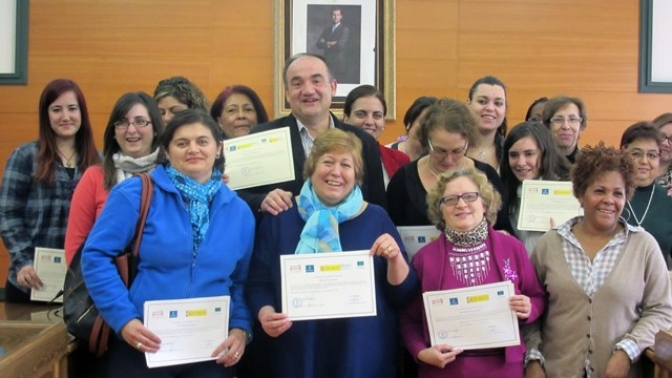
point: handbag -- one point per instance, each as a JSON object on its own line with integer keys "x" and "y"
{"x": 79, "y": 311}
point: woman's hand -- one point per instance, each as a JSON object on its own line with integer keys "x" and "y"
{"x": 140, "y": 338}
{"x": 273, "y": 323}
{"x": 28, "y": 277}
{"x": 385, "y": 246}
{"x": 618, "y": 365}
{"x": 534, "y": 370}
{"x": 277, "y": 201}
{"x": 231, "y": 350}
{"x": 397, "y": 268}
{"x": 521, "y": 305}
{"x": 439, "y": 355}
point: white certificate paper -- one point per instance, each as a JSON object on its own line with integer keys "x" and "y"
{"x": 416, "y": 237}
{"x": 190, "y": 329}
{"x": 477, "y": 317}
{"x": 259, "y": 159}
{"x": 50, "y": 266}
{"x": 328, "y": 285}
{"x": 542, "y": 200}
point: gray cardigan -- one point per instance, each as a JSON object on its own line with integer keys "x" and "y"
{"x": 633, "y": 303}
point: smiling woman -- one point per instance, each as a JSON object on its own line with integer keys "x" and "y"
{"x": 181, "y": 249}
{"x": 130, "y": 146}
{"x": 237, "y": 110}
{"x": 330, "y": 215}
{"x": 650, "y": 206}
{"x": 39, "y": 180}
{"x": 529, "y": 154}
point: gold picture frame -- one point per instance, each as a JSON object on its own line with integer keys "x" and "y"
{"x": 297, "y": 27}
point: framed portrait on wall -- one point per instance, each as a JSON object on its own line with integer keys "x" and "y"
{"x": 356, "y": 38}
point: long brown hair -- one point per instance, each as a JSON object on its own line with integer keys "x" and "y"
{"x": 48, "y": 152}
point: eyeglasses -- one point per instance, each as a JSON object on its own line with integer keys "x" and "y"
{"x": 559, "y": 121}
{"x": 468, "y": 197}
{"x": 441, "y": 153}
{"x": 650, "y": 155}
{"x": 666, "y": 138}
{"x": 138, "y": 123}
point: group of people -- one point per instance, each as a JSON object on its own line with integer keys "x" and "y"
{"x": 590, "y": 294}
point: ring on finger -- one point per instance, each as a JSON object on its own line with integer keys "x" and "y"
{"x": 390, "y": 249}
{"x": 138, "y": 345}
{"x": 236, "y": 355}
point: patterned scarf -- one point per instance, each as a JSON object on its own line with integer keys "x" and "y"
{"x": 320, "y": 233}
{"x": 467, "y": 238}
{"x": 127, "y": 166}
{"x": 197, "y": 199}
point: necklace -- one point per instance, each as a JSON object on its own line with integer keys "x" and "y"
{"x": 481, "y": 154}
{"x": 436, "y": 175}
{"x": 646, "y": 211}
{"x": 67, "y": 160}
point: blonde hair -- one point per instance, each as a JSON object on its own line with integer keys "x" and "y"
{"x": 335, "y": 140}
{"x": 492, "y": 201}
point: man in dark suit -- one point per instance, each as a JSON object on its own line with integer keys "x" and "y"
{"x": 334, "y": 40}
{"x": 309, "y": 88}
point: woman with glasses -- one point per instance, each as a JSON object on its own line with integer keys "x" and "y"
{"x": 38, "y": 182}
{"x": 463, "y": 206}
{"x": 608, "y": 289}
{"x": 447, "y": 131}
{"x": 178, "y": 93}
{"x": 529, "y": 154}
{"x": 130, "y": 146}
{"x": 487, "y": 102}
{"x": 650, "y": 207}
{"x": 566, "y": 117}
{"x": 664, "y": 123}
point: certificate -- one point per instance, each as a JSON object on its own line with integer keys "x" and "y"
{"x": 416, "y": 237}
{"x": 50, "y": 266}
{"x": 328, "y": 285}
{"x": 259, "y": 159}
{"x": 190, "y": 329}
{"x": 542, "y": 200}
{"x": 477, "y": 317}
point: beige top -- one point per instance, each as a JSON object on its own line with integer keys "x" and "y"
{"x": 634, "y": 303}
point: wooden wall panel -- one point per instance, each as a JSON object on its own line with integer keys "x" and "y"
{"x": 586, "y": 48}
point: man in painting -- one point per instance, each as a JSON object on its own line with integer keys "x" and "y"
{"x": 334, "y": 41}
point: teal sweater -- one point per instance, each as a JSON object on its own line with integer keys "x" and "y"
{"x": 658, "y": 218}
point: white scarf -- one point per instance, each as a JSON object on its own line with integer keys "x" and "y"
{"x": 127, "y": 166}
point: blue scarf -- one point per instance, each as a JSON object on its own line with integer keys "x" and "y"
{"x": 320, "y": 233}
{"x": 197, "y": 199}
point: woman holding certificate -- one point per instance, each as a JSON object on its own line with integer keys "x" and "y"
{"x": 329, "y": 215}
{"x": 609, "y": 290}
{"x": 38, "y": 182}
{"x": 469, "y": 253}
{"x": 529, "y": 154}
{"x": 197, "y": 242}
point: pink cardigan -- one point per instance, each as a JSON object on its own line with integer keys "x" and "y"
{"x": 428, "y": 265}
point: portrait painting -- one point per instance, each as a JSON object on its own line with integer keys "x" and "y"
{"x": 355, "y": 37}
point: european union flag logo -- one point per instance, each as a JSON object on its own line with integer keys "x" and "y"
{"x": 360, "y": 263}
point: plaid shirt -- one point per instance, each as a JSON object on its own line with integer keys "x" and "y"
{"x": 32, "y": 214}
{"x": 591, "y": 275}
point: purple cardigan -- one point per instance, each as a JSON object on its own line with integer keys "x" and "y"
{"x": 428, "y": 263}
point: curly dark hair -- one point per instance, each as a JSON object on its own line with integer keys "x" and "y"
{"x": 595, "y": 161}
{"x": 184, "y": 91}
